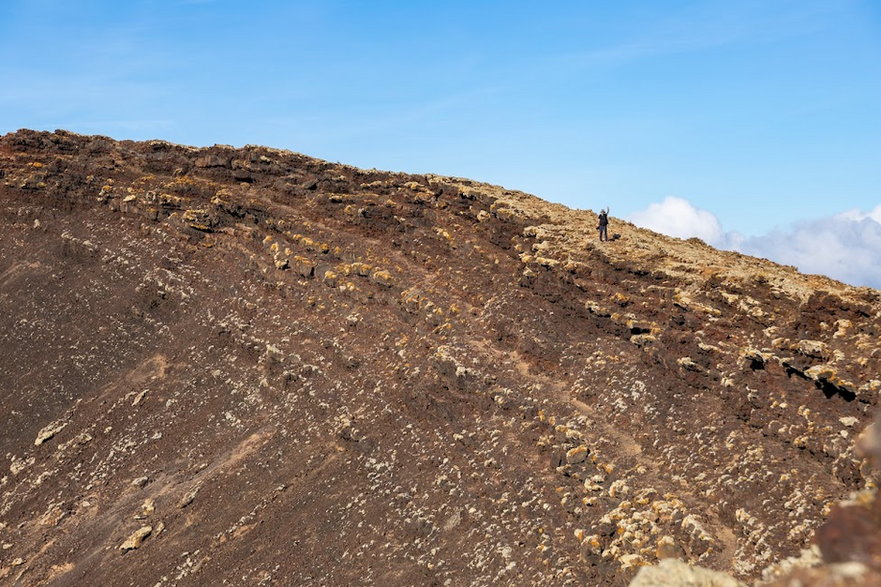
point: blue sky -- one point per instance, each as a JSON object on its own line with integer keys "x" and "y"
{"x": 763, "y": 113}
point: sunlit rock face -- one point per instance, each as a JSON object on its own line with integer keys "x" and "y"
{"x": 253, "y": 366}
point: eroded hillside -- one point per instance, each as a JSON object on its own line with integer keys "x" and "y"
{"x": 251, "y": 366}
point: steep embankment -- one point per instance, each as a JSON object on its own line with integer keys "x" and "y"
{"x": 250, "y": 365}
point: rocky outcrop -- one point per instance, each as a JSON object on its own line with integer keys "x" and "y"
{"x": 846, "y": 550}
{"x": 295, "y": 371}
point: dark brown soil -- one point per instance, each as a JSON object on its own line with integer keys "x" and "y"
{"x": 295, "y": 372}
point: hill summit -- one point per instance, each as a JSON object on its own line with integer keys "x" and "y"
{"x": 254, "y": 367}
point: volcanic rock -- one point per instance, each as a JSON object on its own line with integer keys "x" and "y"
{"x": 672, "y": 572}
{"x": 318, "y": 374}
{"x": 137, "y": 538}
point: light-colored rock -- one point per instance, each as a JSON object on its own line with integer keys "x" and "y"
{"x": 188, "y": 498}
{"x": 592, "y": 544}
{"x": 137, "y": 538}
{"x": 383, "y": 278}
{"x": 668, "y": 548}
{"x": 642, "y": 340}
{"x": 361, "y": 269}
{"x": 869, "y": 442}
{"x": 688, "y": 364}
{"x": 807, "y": 558}
{"x": 139, "y": 398}
{"x": 590, "y": 485}
{"x": 619, "y": 489}
{"x": 576, "y": 455}
{"x": 847, "y": 574}
{"x": 818, "y": 372}
{"x": 675, "y": 573}
{"x": 49, "y": 431}
{"x": 148, "y": 507}
{"x": 18, "y": 465}
{"x": 812, "y": 348}
{"x": 303, "y": 266}
{"x": 848, "y": 421}
{"x": 629, "y": 561}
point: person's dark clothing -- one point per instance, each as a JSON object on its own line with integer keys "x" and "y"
{"x": 603, "y": 226}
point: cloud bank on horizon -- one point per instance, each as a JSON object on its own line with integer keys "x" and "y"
{"x": 846, "y": 246}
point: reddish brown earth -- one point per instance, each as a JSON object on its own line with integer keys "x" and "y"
{"x": 253, "y": 367}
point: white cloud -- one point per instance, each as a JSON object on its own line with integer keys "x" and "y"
{"x": 846, "y": 246}
{"x": 679, "y": 218}
{"x": 860, "y": 215}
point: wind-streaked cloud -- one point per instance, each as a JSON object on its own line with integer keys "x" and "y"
{"x": 705, "y": 27}
{"x": 845, "y": 246}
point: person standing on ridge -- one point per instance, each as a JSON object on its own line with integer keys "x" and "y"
{"x": 603, "y": 225}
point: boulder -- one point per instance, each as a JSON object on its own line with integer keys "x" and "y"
{"x": 673, "y": 572}
{"x": 137, "y": 538}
